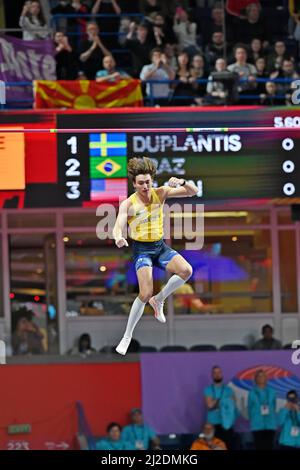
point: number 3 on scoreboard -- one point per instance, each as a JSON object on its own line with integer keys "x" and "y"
{"x": 73, "y": 192}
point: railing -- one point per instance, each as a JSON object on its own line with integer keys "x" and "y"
{"x": 150, "y": 100}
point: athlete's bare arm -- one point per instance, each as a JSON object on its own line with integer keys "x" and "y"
{"x": 174, "y": 189}
{"x": 121, "y": 223}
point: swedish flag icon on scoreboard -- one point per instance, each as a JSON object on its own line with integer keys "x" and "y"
{"x": 108, "y": 144}
{"x": 108, "y": 167}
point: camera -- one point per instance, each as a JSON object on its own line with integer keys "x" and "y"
{"x": 293, "y": 400}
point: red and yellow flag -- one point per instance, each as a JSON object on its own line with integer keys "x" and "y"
{"x": 85, "y": 94}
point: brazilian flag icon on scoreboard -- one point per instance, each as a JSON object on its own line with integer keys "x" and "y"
{"x": 115, "y": 167}
{"x": 108, "y": 144}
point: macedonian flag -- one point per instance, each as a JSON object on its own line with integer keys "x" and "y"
{"x": 85, "y": 94}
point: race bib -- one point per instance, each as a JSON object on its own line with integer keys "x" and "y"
{"x": 264, "y": 410}
{"x": 295, "y": 431}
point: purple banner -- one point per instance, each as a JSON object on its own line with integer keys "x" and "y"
{"x": 25, "y": 61}
{"x": 173, "y": 383}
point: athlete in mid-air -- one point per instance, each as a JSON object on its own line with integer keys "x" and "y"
{"x": 143, "y": 211}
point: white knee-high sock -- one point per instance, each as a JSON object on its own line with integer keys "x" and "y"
{"x": 135, "y": 314}
{"x": 173, "y": 283}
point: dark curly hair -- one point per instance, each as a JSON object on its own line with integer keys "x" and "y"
{"x": 141, "y": 166}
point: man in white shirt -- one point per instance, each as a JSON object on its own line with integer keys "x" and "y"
{"x": 246, "y": 73}
{"x": 157, "y": 70}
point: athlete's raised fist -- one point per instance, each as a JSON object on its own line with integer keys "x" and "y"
{"x": 175, "y": 182}
{"x": 120, "y": 242}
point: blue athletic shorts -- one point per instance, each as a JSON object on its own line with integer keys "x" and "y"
{"x": 152, "y": 254}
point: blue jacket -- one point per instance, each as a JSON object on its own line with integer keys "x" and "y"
{"x": 108, "y": 444}
{"x": 287, "y": 420}
{"x": 258, "y": 400}
{"x": 138, "y": 435}
{"x": 226, "y": 413}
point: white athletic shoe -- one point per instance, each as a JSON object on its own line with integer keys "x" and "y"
{"x": 158, "y": 308}
{"x": 123, "y": 346}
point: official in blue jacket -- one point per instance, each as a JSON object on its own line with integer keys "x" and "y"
{"x": 114, "y": 441}
{"x": 221, "y": 407}
{"x": 262, "y": 412}
{"x": 289, "y": 423}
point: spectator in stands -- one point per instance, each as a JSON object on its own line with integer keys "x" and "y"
{"x": 218, "y": 91}
{"x": 288, "y": 74}
{"x": 27, "y": 338}
{"x": 147, "y": 7}
{"x": 113, "y": 441}
{"x": 158, "y": 70}
{"x": 139, "y": 434}
{"x": 198, "y": 72}
{"x": 161, "y": 32}
{"x": 207, "y": 440}
{"x": 294, "y": 20}
{"x": 184, "y": 92}
{"x": 253, "y": 26}
{"x": 66, "y": 63}
{"x": 276, "y": 58}
{"x": 256, "y": 50}
{"x": 84, "y": 347}
{"x": 294, "y": 9}
{"x": 245, "y": 71}
{"x": 92, "y": 51}
{"x": 63, "y": 8}
{"x": 108, "y": 24}
{"x": 289, "y": 422}
{"x": 163, "y": 28}
{"x": 267, "y": 341}
{"x": 140, "y": 44}
{"x": 221, "y": 407}
{"x": 262, "y": 412}
{"x": 169, "y": 52}
{"x": 215, "y": 50}
{"x": 238, "y": 7}
{"x": 260, "y": 65}
{"x": 215, "y": 24}
{"x": 185, "y": 31}
{"x": 109, "y": 72}
{"x": 271, "y": 97}
{"x": 79, "y": 8}
{"x": 124, "y": 29}
{"x": 32, "y": 22}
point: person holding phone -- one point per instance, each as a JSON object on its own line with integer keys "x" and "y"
{"x": 185, "y": 31}
{"x": 158, "y": 70}
{"x": 289, "y": 422}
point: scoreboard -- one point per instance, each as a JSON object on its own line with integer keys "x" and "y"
{"x": 73, "y": 169}
{"x": 223, "y": 165}
{"x": 233, "y": 165}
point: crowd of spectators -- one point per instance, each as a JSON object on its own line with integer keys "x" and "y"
{"x": 247, "y": 54}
